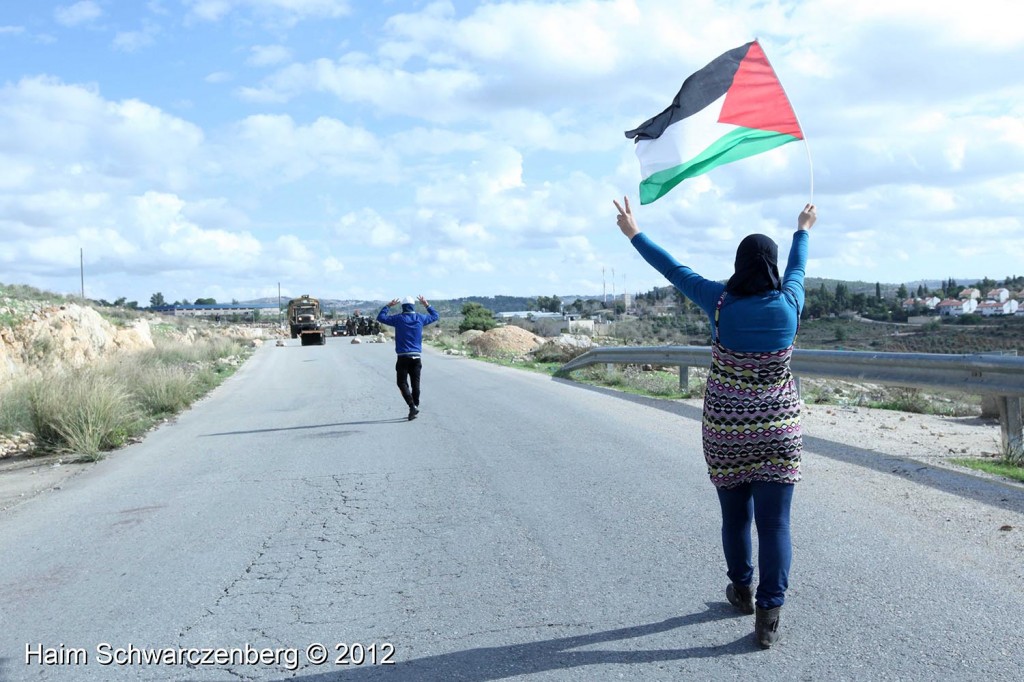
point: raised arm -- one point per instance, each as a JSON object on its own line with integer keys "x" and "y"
{"x": 796, "y": 265}
{"x": 701, "y": 291}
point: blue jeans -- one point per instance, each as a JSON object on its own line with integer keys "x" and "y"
{"x": 767, "y": 505}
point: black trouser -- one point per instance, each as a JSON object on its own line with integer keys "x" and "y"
{"x": 408, "y": 371}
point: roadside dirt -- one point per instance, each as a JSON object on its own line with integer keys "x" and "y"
{"x": 22, "y": 477}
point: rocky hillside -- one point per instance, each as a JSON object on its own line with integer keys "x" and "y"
{"x": 66, "y": 335}
{"x": 52, "y": 336}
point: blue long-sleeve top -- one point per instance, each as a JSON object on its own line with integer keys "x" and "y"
{"x": 752, "y": 324}
{"x": 408, "y": 328}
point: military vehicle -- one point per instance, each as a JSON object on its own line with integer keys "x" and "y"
{"x": 305, "y": 320}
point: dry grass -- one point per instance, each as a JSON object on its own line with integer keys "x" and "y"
{"x": 89, "y": 410}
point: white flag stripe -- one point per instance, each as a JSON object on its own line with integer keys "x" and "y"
{"x": 683, "y": 140}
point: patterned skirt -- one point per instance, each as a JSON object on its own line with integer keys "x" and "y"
{"x": 751, "y": 425}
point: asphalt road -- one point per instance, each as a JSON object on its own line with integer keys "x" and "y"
{"x": 521, "y": 528}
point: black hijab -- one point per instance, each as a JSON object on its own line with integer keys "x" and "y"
{"x": 757, "y": 267}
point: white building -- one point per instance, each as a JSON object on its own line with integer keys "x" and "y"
{"x": 970, "y": 293}
{"x": 953, "y": 307}
{"x": 1008, "y": 307}
{"x": 999, "y": 295}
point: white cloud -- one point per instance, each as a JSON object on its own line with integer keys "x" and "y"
{"x": 446, "y": 261}
{"x": 432, "y": 94}
{"x": 75, "y": 130}
{"x": 132, "y": 41}
{"x": 268, "y": 55}
{"x": 16, "y": 175}
{"x": 178, "y": 242}
{"x": 577, "y": 249}
{"x": 81, "y": 12}
{"x": 985, "y": 24}
{"x": 368, "y": 228}
{"x": 332, "y": 265}
{"x": 275, "y": 148}
{"x": 218, "y": 77}
{"x": 288, "y": 11}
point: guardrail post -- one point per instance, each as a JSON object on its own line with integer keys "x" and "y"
{"x": 1010, "y": 426}
{"x": 684, "y": 378}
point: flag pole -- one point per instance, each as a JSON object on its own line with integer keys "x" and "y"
{"x": 810, "y": 162}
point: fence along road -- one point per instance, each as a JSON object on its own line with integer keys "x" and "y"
{"x": 978, "y": 374}
{"x": 521, "y": 528}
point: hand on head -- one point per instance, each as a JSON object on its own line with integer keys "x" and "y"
{"x": 625, "y": 218}
{"x": 807, "y": 217}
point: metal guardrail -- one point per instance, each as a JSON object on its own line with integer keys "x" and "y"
{"x": 995, "y": 375}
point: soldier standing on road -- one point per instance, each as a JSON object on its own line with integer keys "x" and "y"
{"x": 751, "y": 424}
{"x": 408, "y": 345}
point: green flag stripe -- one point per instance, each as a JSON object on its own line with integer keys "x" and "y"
{"x": 737, "y": 144}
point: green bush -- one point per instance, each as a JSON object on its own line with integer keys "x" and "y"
{"x": 475, "y": 316}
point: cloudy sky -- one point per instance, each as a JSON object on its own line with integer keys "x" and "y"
{"x": 370, "y": 150}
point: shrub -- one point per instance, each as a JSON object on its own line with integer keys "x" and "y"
{"x": 99, "y": 407}
{"x": 905, "y": 400}
{"x": 84, "y": 411}
{"x": 164, "y": 390}
{"x": 552, "y": 351}
{"x": 15, "y": 409}
{"x": 659, "y": 383}
{"x": 475, "y": 316}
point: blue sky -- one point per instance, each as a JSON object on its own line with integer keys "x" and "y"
{"x": 372, "y": 150}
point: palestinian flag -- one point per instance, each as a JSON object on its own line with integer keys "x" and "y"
{"x": 733, "y": 108}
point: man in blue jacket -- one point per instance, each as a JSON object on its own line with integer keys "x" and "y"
{"x": 409, "y": 345}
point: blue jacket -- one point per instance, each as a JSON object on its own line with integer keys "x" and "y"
{"x": 408, "y": 328}
{"x": 752, "y": 324}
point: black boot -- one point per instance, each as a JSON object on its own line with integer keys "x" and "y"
{"x": 740, "y": 596}
{"x": 766, "y": 626}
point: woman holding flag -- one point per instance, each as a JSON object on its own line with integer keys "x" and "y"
{"x": 751, "y": 423}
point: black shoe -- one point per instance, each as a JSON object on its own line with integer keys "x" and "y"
{"x": 766, "y": 626}
{"x": 412, "y": 413}
{"x": 740, "y": 596}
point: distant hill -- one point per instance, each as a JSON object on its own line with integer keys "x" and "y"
{"x": 498, "y": 304}
{"x": 502, "y": 304}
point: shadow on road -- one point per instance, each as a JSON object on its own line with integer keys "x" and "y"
{"x": 988, "y": 491}
{"x": 396, "y": 420}
{"x": 501, "y": 662}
